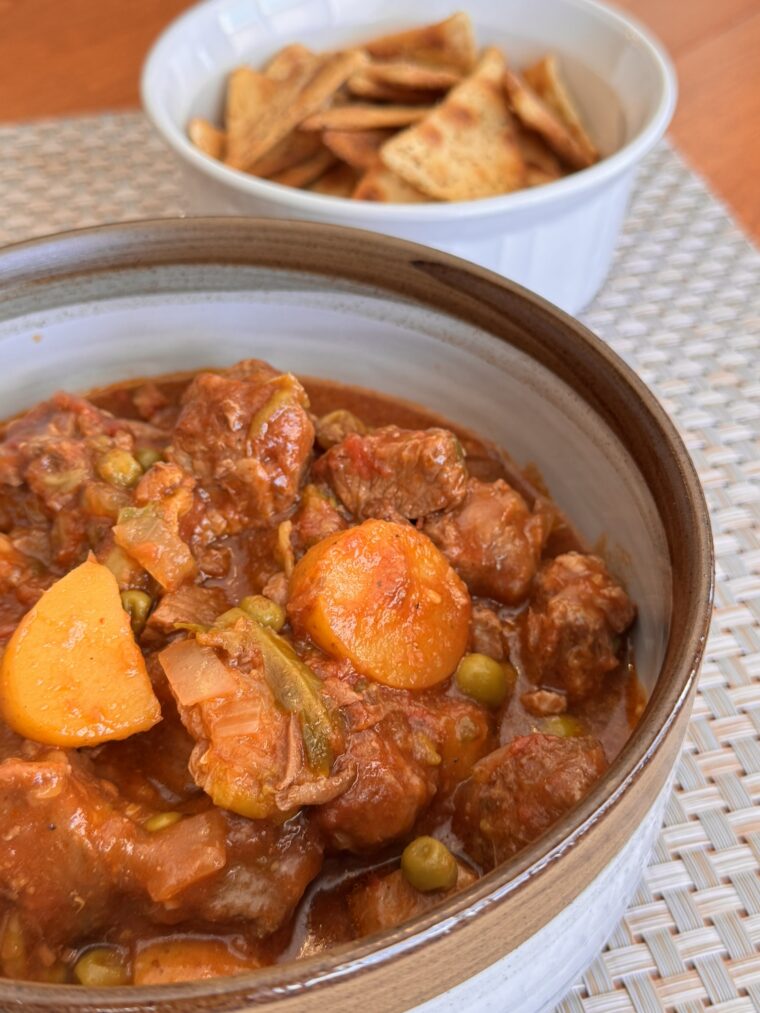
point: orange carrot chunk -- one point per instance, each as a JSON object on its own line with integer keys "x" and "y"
{"x": 384, "y": 597}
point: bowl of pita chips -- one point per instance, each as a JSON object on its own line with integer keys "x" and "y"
{"x": 508, "y": 134}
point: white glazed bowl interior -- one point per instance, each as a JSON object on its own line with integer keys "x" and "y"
{"x": 557, "y": 239}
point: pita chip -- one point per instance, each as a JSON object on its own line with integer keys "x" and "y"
{"x": 307, "y": 171}
{"x": 382, "y": 185}
{"x": 449, "y": 44}
{"x": 542, "y": 164}
{"x": 296, "y": 147}
{"x": 288, "y": 61}
{"x": 339, "y": 181}
{"x": 210, "y": 139}
{"x": 275, "y": 106}
{"x": 466, "y": 148}
{"x": 537, "y": 115}
{"x": 358, "y": 148}
{"x": 248, "y": 93}
{"x": 412, "y": 76}
{"x": 365, "y": 87}
{"x": 543, "y": 77}
{"x": 364, "y": 117}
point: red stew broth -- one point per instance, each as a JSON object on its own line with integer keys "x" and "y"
{"x": 150, "y": 771}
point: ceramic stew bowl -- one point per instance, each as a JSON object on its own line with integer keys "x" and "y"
{"x": 556, "y": 239}
{"x": 138, "y": 299}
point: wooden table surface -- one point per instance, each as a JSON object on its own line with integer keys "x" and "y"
{"x": 60, "y": 58}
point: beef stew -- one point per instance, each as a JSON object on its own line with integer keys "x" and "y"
{"x": 285, "y": 664}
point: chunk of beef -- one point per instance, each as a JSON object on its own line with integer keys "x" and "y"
{"x": 519, "y": 791}
{"x": 54, "y": 452}
{"x": 542, "y": 702}
{"x": 486, "y": 632}
{"x": 317, "y": 517}
{"x": 190, "y": 604}
{"x": 151, "y": 769}
{"x": 54, "y": 448}
{"x": 577, "y": 610}
{"x": 408, "y": 748}
{"x": 385, "y": 900}
{"x": 247, "y": 437}
{"x": 268, "y": 869}
{"x": 69, "y": 851}
{"x": 74, "y": 853}
{"x": 394, "y": 473}
{"x": 276, "y": 588}
{"x": 393, "y": 784}
{"x": 492, "y": 540}
{"x": 461, "y": 732}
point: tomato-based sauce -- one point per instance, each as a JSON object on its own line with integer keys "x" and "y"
{"x": 343, "y": 658}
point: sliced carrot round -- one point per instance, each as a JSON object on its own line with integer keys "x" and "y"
{"x": 384, "y": 597}
{"x": 72, "y": 674}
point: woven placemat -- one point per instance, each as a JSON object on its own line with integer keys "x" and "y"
{"x": 682, "y": 306}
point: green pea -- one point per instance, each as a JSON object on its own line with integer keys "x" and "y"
{"x": 161, "y": 821}
{"x": 484, "y": 679}
{"x": 101, "y": 967}
{"x": 264, "y": 611}
{"x": 564, "y": 725}
{"x": 428, "y": 865}
{"x": 137, "y": 605}
{"x": 119, "y": 467}
{"x": 147, "y": 457}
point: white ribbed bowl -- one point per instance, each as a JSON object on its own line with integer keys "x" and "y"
{"x": 556, "y": 239}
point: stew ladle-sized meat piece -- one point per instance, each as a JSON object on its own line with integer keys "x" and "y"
{"x": 492, "y": 539}
{"x": 520, "y": 790}
{"x": 393, "y": 473}
{"x": 99, "y": 854}
{"x": 572, "y": 628}
{"x": 247, "y": 436}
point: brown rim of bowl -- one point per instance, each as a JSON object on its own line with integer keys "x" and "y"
{"x": 508, "y": 312}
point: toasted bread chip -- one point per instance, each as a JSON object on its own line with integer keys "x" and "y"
{"x": 466, "y": 148}
{"x": 543, "y": 77}
{"x": 537, "y": 177}
{"x": 339, "y": 181}
{"x": 248, "y": 93}
{"x": 365, "y": 87}
{"x": 382, "y": 185}
{"x": 359, "y": 148}
{"x": 413, "y": 76}
{"x": 296, "y": 147}
{"x": 364, "y": 117}
{"x": 539, "y": 159}
{"x": 300, "y": 87}
{"x": 307, "y": 171}
{"x": 210, "y": 139}
{"x": 449, "y": 43}
{"x": 537, "y": 115}
{"x": 289, "y": 61}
